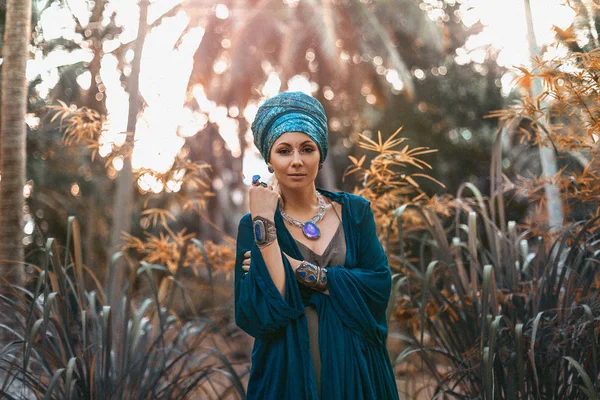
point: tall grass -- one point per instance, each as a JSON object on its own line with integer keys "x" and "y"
{"x": 512, "y": 318}
{"x": 63, "y": 344}
{"x": 498, "y": 313}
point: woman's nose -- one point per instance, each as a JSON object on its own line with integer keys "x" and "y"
{"x": 296, "y": 160}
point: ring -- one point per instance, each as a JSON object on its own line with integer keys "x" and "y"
{"x": 255, "y": 179}
{"x": 263, "y": 184}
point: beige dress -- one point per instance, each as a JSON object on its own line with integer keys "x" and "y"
{"x": 334, "y": 254}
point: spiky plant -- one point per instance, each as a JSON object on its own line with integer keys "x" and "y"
{"x": 390, "y": 179}
{"x": 489, "y": 309}
{"x": 63, "y": 345}
{"x": 494, "y": 311}
{"x": 506, "y": 309}
{"x": 506, "y": 315}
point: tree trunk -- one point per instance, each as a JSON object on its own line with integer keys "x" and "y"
{"x": 95, "y": 99}
{"x": 123, "y": 205}
{"x": 547, "y": 157}
{"x": 12, "y": 141}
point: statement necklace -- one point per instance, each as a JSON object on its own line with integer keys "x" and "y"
{"x": 309, "y": 228}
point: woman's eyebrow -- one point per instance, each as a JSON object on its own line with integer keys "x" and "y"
{"x": 308, "y": 141}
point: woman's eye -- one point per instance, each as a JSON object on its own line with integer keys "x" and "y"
{"x": 283, "y": 151}
{"x": 309, "y": 149}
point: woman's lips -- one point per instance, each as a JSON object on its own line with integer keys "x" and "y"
{"x": 297, "y": 176}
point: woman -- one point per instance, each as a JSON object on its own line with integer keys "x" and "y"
{"x": 311, "y": 278}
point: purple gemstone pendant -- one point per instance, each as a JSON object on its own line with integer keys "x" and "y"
{"x": 311, "y": 231}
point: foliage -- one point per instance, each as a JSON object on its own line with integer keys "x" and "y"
{"x": 563, "y": 117}
{"x": 351, "y": 52}
{"x": 83, "y": 126}
{"x": 332, "y": 44}
{"x": 173, "y": 250}
{"x": 509, "y": 314}
{"x": 452, "y": 97}
{"x": 492, "y": 308}
{"x": 86, "y": 126}
{"x": 64, "y": 346}
{"x": 497, "y": 309}
{"x": 391, "y": 179}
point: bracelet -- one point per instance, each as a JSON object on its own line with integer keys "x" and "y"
{"x": 264, "y": 231}
{"x": 312, "y": 276}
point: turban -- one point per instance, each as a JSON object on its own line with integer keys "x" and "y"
{"x": 289, "y": 112}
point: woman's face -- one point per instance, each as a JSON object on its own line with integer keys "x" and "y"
{"x": 295, "y": 159}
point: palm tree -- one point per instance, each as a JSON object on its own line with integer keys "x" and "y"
{"x": 345, "y": 47}
{"x": 335, "y": 44}
{"x": 12, "y": 152}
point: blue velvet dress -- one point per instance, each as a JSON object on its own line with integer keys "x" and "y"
{"x": 352, "y": 326}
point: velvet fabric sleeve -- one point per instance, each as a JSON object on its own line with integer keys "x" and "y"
{"x": 360, "y": 294}
{"x": 260, "y": 309}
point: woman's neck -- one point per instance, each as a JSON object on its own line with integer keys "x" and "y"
{"x": 299, "y": 201}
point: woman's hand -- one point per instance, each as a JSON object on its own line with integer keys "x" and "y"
{"x": 246, "y": 263}
{"x": 263, "y": 201}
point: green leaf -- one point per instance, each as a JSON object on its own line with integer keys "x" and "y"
{"x": 397, "y": 282}
{"x": 589, "y": 386}
{"x": 69, "y": 382}
{"x": 520, "y": 344}
{"x": 488, "y": 374}
{"x": 536, "y": 324}
{"x": 53, "y": 383}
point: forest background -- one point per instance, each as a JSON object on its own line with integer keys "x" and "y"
{"x": 472, "y": 126}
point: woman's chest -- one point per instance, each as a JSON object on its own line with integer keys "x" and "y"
{"x": 330, "y": 233}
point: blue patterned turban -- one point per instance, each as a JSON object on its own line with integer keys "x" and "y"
{"x": 289, "y": 112}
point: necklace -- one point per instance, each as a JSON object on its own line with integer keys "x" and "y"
{"x": 309, "y": 228}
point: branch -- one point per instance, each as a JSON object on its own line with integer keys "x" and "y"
{"x": 171, "y": 13}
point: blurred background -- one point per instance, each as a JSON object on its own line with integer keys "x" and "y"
{"x": 139, "y": 116}
{"x": 435, "y": 68}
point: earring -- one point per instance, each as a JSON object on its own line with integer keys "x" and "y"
{"x": 271, "y": 170}
{"x": 320, "y": 165}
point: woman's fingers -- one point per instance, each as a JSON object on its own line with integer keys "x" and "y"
{"x": 246, "y": 262}
{"x": 262, "y": 201}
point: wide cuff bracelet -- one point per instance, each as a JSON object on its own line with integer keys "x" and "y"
{"x": 312, "y": 276}
{"x": 264, "y": 231}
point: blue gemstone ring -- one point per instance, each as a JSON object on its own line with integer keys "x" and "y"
{"x": 255, "y": 179}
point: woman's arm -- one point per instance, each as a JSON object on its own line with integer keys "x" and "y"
{"x": 263, "y": 203}
{"x": 260, "y": 308}
{"x": 295, "y": 265}
{"x": 271, "y": 255}
{"x": 322, "y": 288}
